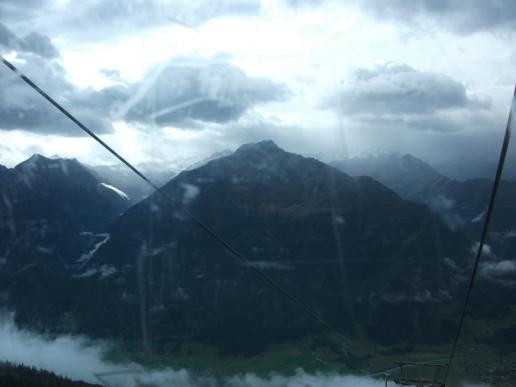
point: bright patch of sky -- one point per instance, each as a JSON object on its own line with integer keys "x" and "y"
{"x": 318, "y": 52}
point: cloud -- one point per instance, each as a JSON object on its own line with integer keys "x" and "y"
{"x": 34, "y": 43}
{"x": 20, "y": 10}
{"x": 146, "y": 13}
{"x": 112, "y": 74}
{"x": 427, "y": 114}
{"x": 460, "y": 16}
{"x": 501, "y": 272}
{"x": 22, "y": 108}
{"x": 110, "y": 19}
{"x": 7, "y": 37}
{"x": 499, "y": 268}
{"x": 82, "y": 359}
{"x": 40, "y": 45}
{"x": 399, "y": 95}
{"x": 183, "y": 93}
{"x": 393, "y": 88}
{"x": 304, "y": 3}
{"x": 420, "y": 296}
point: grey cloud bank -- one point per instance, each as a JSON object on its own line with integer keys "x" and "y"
{"x": 181, "y": 92}
{"x": 22, "y": 108}
{"x": 88, "y": 19}
{"x": 110, "y": 19}
{"x": 400, "y": 89}
{"x": 15, "y": 10}
{"x": 34, "y": 43}
{"x": 197, "y": 90}
{"x": 428, "y": 114}
{"x": 462, "y": 16}
{"x": 435, "y": 114}
{"x": 81, "y": 359}
{"x": 399, "y": 94}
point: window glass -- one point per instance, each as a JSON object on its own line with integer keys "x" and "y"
{"x": 251, "y": 193}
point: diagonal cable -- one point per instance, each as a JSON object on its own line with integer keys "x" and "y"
{"x": 485, "y": 229}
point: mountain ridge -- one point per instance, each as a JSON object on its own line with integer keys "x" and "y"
{"x": 278, "y": 209}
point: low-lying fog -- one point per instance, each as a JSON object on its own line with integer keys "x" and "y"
{"x": 80, "y": 358}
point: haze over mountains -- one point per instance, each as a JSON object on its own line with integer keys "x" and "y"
{"x": 470, "y": 168}
{"x": 159, "y": 173}
{"x": 79, "y": 259}
{"x": 460, "y": 202}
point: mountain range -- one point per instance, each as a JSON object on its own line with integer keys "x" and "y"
{"x": 354, "y": 249}
{"x": 461, "y": 203}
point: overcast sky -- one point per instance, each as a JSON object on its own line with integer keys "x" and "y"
{"x": 168, "y": 80}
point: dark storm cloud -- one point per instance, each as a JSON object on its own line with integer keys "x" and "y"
{"x": 16, "y": 10}
{"x": 400, "y": 95}
{"x": 7, "y": 38}
{"x": 462, "y": 16}
{"x": 39, "y": 44}
{"x": 183, "y": 93}
{"x": 22, "y": 108}
{"x": 103, "y": 20}
{"x": 34, "y": 43}
{"x": 148, "y": 12}
{"x": 204, "y": 91}
{"x": 108, "y": 19}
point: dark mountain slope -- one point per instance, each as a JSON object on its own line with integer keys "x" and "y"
{"x": 462, "y": 206}
{"x": 362, "y": 257}
{"x": 62, "y": 191}
{"x": 46, "y": 203}
{"x": 51, "y": 211}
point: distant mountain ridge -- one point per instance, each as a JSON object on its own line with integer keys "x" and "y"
{"x": 159, "y": 173}
{"x": 407, "y": 175}
{"x": 459, "y": 202}
{"x": 475, "y": 168}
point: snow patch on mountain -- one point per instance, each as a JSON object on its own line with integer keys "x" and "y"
{"x": 85, "y": 257}
{"x": 479, "y": 217}
{"x": 120, "y": 193}
{"x": 190, "y": 192}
